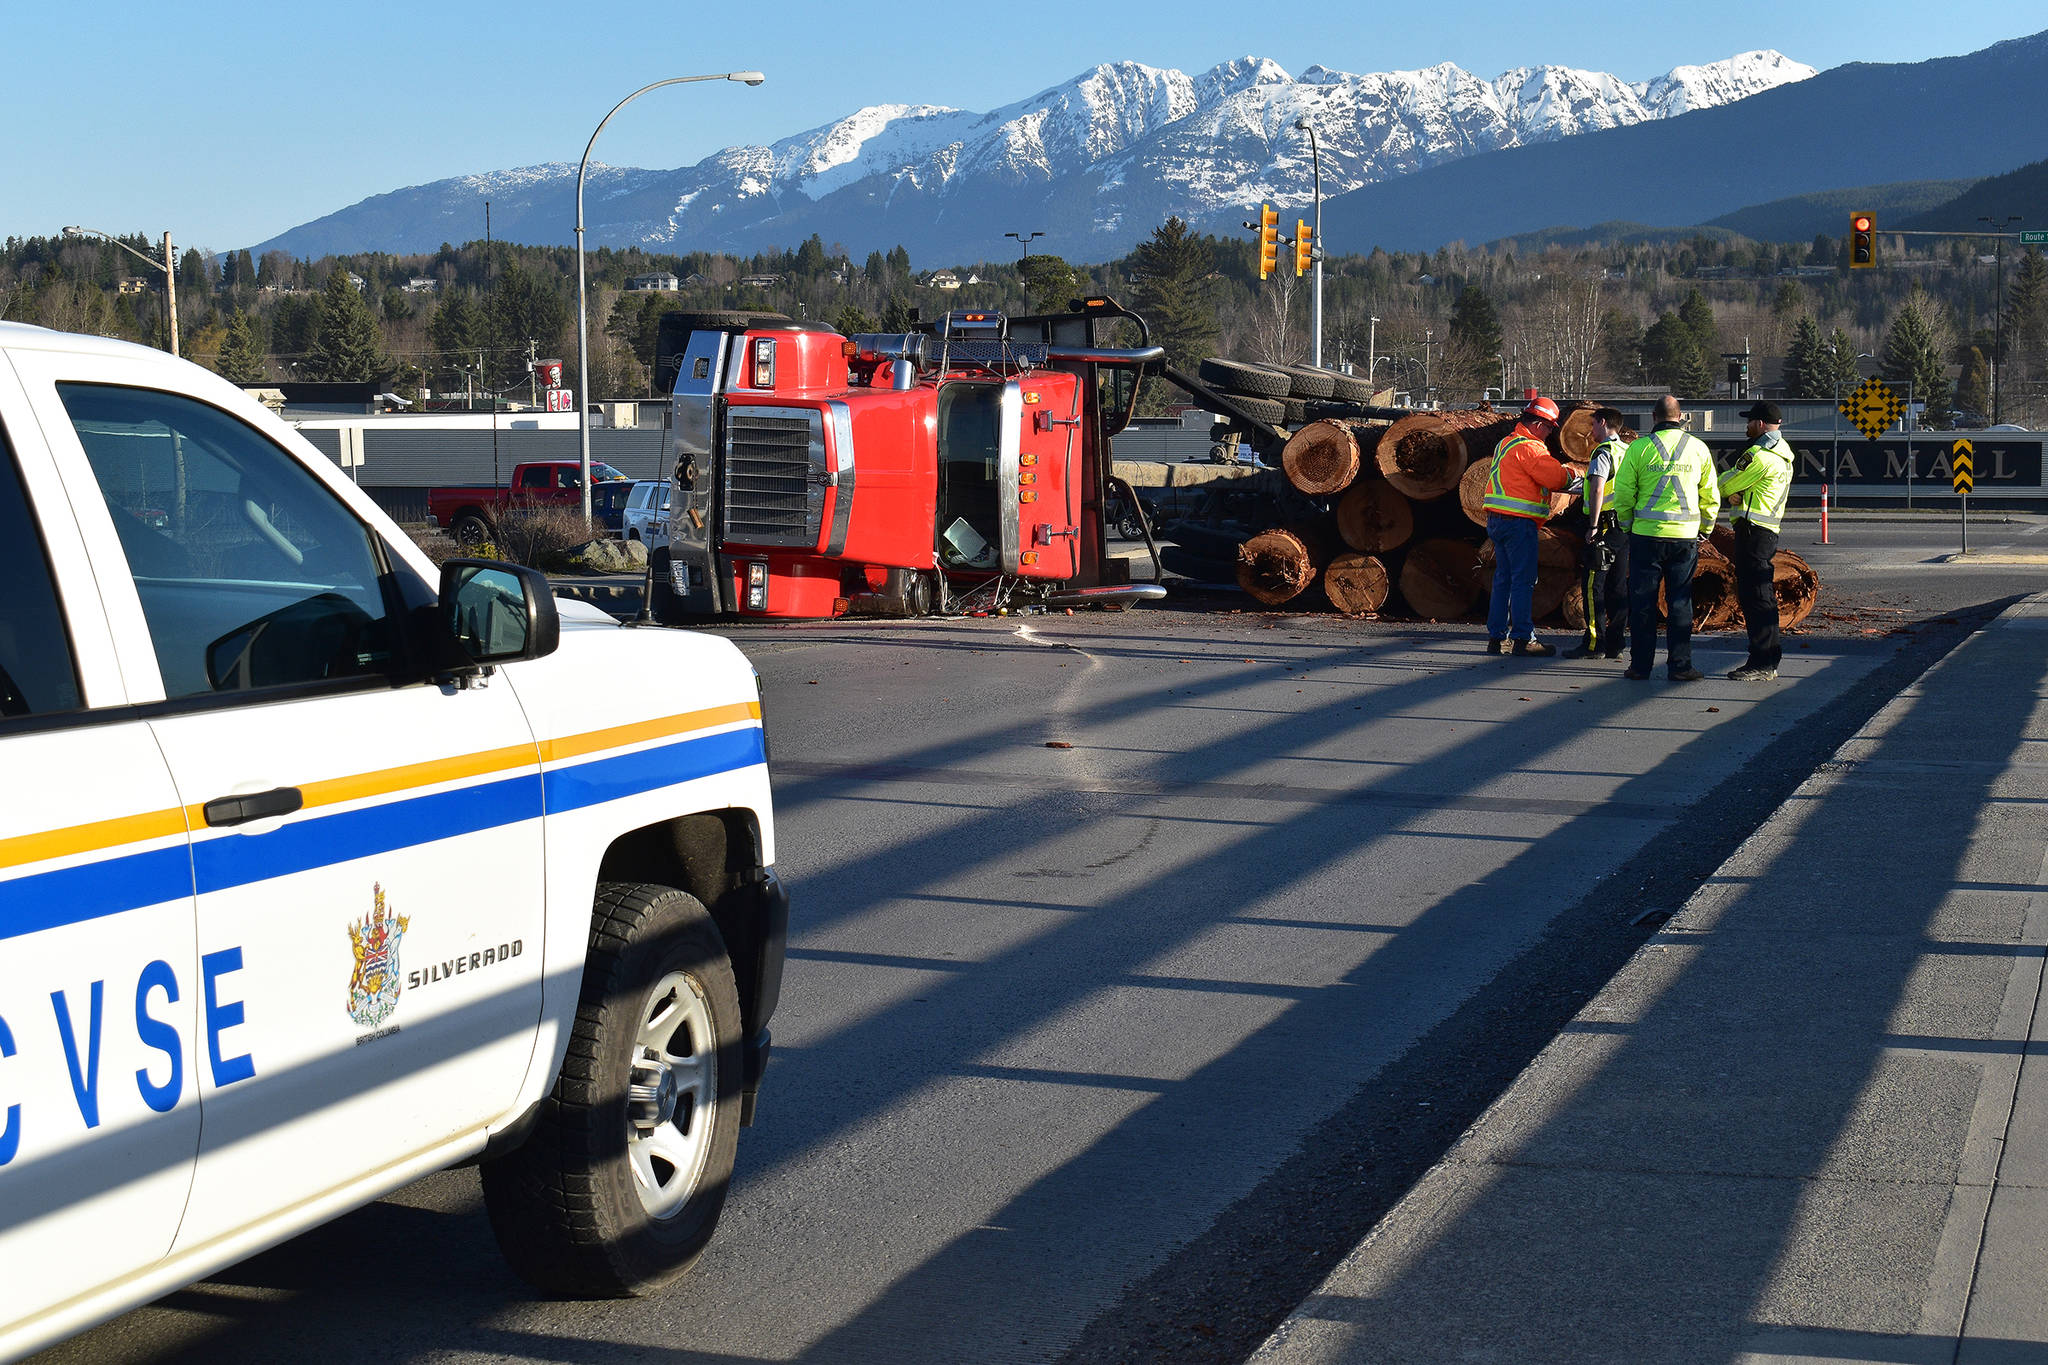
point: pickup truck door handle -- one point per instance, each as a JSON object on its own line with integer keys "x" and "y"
{"x": 240, "y": 810}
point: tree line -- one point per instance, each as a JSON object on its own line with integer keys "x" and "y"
{"x": 1449, "y": 326}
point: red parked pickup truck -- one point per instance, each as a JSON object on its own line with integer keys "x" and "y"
{"x": 471, "y": 514}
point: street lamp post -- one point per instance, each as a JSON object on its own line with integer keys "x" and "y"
{"x": 168, "y": 265}
{"x": 1025, "y": 239}
{"x": 1998, "y": 345}
{"x": 1372, "y": 337}
{"x": 582, "y": 292}
{"x": 1427, "y": 333}
{"x": 1315, "y": 161}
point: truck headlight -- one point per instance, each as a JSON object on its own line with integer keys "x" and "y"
{"x": 757, "y": 585}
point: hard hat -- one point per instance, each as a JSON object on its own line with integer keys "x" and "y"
{"x": 1541, "y": 407}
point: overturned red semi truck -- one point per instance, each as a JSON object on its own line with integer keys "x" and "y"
{"x": 966, "y": 464}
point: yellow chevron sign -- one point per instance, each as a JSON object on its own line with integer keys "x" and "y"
{"x": 1872, "y": 407}
{"x": 1962, "y": 466}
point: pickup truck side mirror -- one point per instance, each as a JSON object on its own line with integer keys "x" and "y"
{"x": 498, "y": 613}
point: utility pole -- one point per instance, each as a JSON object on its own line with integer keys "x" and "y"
{"x": 171, "y": 290}
{"x": 1372, "y": 337}
{"x": 1998, "y": 346}
{"x": 1316, "y": 244}
{"x": 1427, "y": 333}
{"x": 532, "y": 378}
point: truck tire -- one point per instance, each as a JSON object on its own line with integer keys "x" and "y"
{"x": 1350, "y": 388}
{"x": 469, "y": 530}
{"x": 619, "y": 1186}
{"x": 1271, "y": 411}
{"x": 1236, "y": 377}
{"x": 1306, "y": 381}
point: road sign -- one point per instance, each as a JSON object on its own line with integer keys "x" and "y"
{"x": 1962, "y": 465}
{"x": 2034, "y": 239}
{"x": 1872, "y": 407}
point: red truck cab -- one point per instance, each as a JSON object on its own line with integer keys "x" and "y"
{"x": 817, "y": 473}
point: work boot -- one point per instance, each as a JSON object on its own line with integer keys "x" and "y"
{"x": 1687, "y": 674}
{"x": 1535, "y": 648}
{"x": 1582, "y": 650}
{"x": 1493, "y": 646}
{"x": 1634, "y": 674}
{"x": 1614, "y": 654}
{"x": 1752, "y": 673}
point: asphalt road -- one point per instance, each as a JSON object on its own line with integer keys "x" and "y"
{"x": 1107, "y": 1051}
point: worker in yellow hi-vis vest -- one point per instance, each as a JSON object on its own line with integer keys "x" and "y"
{"x": 1758, "y": 489}
{"x": 1667, "y": 494}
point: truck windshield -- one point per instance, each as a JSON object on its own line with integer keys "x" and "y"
{"x": 970, "y": 436}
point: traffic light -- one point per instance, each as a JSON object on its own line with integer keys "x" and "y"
{"x": 1269, "y": 240}
{"x": 1862, "y": 241}
{"x": 1304, "y": 247}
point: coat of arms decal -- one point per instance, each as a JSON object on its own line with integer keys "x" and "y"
{"x": 373, "y": 989}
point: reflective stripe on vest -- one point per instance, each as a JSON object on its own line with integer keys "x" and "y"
{"x": 1671, "y": 502}
{"x": 1497, "y": 498}
{"x": 1775, "y": 489}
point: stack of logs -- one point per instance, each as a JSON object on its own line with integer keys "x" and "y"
{"x": 1408, "y": 518}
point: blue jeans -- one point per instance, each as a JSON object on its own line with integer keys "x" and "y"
{"x": 1653, "y": 560}
{"x": 1514, "y": 577}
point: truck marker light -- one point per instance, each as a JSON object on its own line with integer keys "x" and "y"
{"x": 1027, "y": 458}
{"x": 1031, "y": 397}
{"x": 764, "y": 362}
{"x": 1027, "y": 476}
{"x": 757, "y": 586}
{"x": 1028, "y": 495}
{"x": 1028, "y": 557}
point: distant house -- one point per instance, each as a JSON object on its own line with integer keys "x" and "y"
{"x": 358, "y": 281}
{"x": 420, "y": 284}
{"x": 661, "y": 281}
{"x": 693, "y": 279}
{"x": 134, "y": 284}
{"x": 942, "y": 279}
{"x": 759, "y": 281}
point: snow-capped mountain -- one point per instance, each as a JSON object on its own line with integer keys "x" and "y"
{"x": 1096, "y": 162}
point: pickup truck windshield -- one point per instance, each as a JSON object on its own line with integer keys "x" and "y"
{"x": 250, "y": 573}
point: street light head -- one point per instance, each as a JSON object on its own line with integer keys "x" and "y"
{"x": 74, "y": 232}
{"x": 1301, "y": 125}
{"x": 746, "y": 77}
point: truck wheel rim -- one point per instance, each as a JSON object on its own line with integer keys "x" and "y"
{"x": 671, "y": 1095}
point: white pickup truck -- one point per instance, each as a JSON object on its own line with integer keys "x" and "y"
{"x": 322, "y": 869}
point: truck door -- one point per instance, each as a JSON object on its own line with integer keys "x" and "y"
{"x": 366, "y": 844}
{"x": 99, "y": 1019}
{"x": 1048, "y": 492}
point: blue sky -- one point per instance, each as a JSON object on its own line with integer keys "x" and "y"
{"x": 228, "y": 123}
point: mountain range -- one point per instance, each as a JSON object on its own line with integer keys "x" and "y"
{"x": 1097, "y": 162}
{"x": 1957, "y": 118}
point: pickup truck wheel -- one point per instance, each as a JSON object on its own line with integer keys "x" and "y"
{"x": 619, "y": 1186}
{"x": 469, "y": 530}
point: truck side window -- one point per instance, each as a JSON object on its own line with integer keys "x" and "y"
{"x": 534, "y": 476}
{"x": 37, "y": 675}
{"x": 251, "y": 573}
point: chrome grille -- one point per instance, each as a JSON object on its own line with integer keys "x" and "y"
{"x": 774, "y": 489}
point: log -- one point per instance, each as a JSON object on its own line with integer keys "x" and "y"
{"x": 1573, "y": 442}
{"x": 1356, "y": 584}
{"x": 1373, "y": 517}
{"x": 1423, "y": 454}
{"x": 1325, "y": 456}
{"x": 1574, "y": 609}
{"x": 1472, "y": 491}
{"x": 1275, "y": 566}
{"x": 1440, "y": 579}
{"x": 1560, "y": 503}
{"x": 1798, "y": 588}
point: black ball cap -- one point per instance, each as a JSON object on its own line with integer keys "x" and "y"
{"x": 1763, "y": 412}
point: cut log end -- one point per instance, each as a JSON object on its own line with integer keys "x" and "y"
{"x": 1356, "y": 584}
{"x": 1275, "y": 566}
{"x": 1373, "y": 517}
{"x": 1440, "y": 579}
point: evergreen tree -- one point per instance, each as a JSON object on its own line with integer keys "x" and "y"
{"x": 1838, "y": 364}
{"x": 1913, "y": 354}
{"x": 2026, "y": 304}
{"x": 852, "y": 321}
{"x": 1698, "y": 316}
{"x": 1174, "y": 294}
{"x": 1973, "y": 395}
{"x": 455, "y": 334}
{"x": 1672, "y": 355}
{"x": 241, "y": 359}
{"x": 524, "y": 308}
{"x": 346, "y": 347}
{"x": 1807, "y": 373}
{"x": 810, "y": 258}
{"x": 876, "y": 270}
{"x": 1475, "y": 327}
{"x": 1621, "y": 346}
{"x": 1050, "y": 282}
